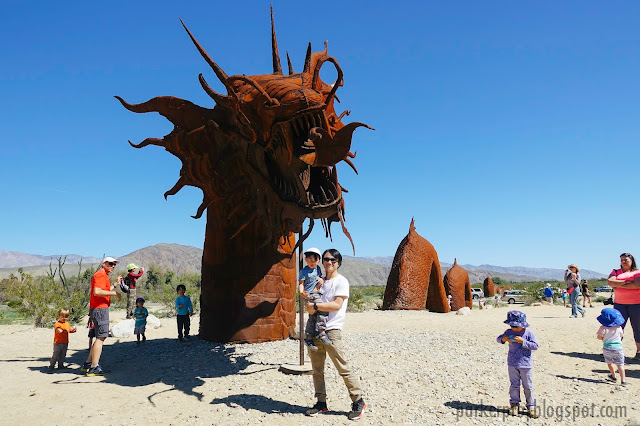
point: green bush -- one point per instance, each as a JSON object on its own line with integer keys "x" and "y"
{"x": 40, "y": 298}
{"x": 163, "y": 290}
{"x": 356, "y": 302}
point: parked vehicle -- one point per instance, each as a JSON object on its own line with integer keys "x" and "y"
{"x": 514, "y": 296}
{"x": 477, "y": 293}
{"x": 603, "y": 289}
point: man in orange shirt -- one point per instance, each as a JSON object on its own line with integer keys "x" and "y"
{"x": 101, "y": 292}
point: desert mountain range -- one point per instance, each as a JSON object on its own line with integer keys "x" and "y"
{"x": 361, "y": 271}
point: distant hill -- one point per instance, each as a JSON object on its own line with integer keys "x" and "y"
{"x": 176, "y": 257}
{"x": 361, "y": 271}
{"x": 507, "y": 273}
{"x": 16, "y": 259}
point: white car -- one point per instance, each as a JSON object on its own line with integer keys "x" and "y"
{"x": 477, "y": 293}
{"x": 514, "y": 296}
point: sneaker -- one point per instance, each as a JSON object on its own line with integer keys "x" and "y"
{"x": 533, "y": 413}
{"x": 96, "y": 371}
{"x": 612, "y": 379}
{"x": 514, "y": 409}
{"x": 583, "y": 312}
{"x": 320, "y": 407}
{"x": 144, "y": 339}
{"x": 357, "y": 410}
{"x": 85, "y": 367}
{"x": 50, "y": 367}
{"x": 310, "y": 345}
{"x": 623, "y": 384}
{"x": 324, "y": 338}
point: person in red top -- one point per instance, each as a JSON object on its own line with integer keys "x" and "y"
{"x": 132, "y": 277}
{"x": 626, "y": 286}
{"x": 101, "y": 292}
{"x": 61, "y": 331}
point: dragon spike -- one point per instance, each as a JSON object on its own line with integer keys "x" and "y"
{"x": 205, "y": 203}
{"x": 303, "y": 237}
{"x": 222, "y": 76}
{"x": 148, "y": 141}
{"x": 344, "y": 228}
{"x": 290, "y": 66}
{"x": 176, "y": 188}
{"x": 307, "y": 60}
{"x": 277, "y": 69}
{"x": 350, "y": 163}
{"x": 219, "y": 99}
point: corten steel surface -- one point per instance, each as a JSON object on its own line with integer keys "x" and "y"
{"x": 489, "y": 287}
{"x": 265, "y": 159}
{"x": 415, "y": 280}
{"x": 456, "y": 283}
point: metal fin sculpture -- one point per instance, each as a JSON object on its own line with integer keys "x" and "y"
{"x": 265, "y": 159}
{"x": 415, "y": 280}
{"x": 457, "y": 284}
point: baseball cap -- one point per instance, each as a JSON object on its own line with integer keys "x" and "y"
{"x": 110, "y": 259}
{"x": 313, "y": 250}
{"x": 131, "y": 266}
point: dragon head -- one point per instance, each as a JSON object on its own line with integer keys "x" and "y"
{"x": 269, "y": 147}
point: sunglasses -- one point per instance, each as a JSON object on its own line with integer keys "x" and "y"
{"x": 111, "y": 264}
{"x": 626, "y": 255}
{"x": 330, "y": 259}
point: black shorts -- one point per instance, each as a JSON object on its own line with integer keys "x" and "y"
{"x": 92, "y": 332}
{"x": 100, "y": 318}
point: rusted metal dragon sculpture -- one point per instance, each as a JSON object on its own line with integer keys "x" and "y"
{"x": 265, "y": 159}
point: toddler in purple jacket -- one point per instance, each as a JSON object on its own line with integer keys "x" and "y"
{"x": 520, "y": 361}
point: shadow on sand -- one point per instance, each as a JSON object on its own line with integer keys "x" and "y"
{"x": 582, "y": 355}
{"x": 180, "y": 365}
{"x": 264, "y": 404}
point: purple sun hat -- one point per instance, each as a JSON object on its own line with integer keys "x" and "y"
{"x": 610, "y": 317}
{"x": 517, "y": 319}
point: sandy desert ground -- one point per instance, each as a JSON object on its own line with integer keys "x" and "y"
{"x": 416, "y": 367}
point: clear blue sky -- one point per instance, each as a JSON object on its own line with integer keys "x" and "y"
{"x": 506, "y": 129}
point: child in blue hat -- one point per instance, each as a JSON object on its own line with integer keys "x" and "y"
{"x": 520, "y": 362}
{"x": 611, "y": 333}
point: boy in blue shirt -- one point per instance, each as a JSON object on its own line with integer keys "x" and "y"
{"x": 140, "y": 314}
{"x": 310, "y": 287}
{"x": 184, "y": 309}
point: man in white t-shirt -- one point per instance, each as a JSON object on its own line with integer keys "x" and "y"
{"x": 334, "y": 301}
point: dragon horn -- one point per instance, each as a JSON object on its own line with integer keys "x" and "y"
{"x": 307, "y": 60}
{"x": 290, "y": 66}
{"x": 277, "y": 69}
{"x": 222, "y": 76}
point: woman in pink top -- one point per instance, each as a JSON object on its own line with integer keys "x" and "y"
{"x": 626, "y": 284}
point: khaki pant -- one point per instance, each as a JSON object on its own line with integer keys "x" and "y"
{"x": 336, "y": 353}
{"x": 131, "y": 302}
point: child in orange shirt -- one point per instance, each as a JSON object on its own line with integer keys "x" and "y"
{"x": 61, "y": 339}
